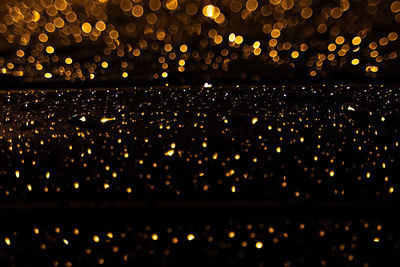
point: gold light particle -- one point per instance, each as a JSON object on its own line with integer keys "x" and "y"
{"x": 169, "y": 152}
{"x": 60, "y": 4}
{"x": 65, "y": 241}
{"x": 356, "y": 40}
{"x": 254, "y": 120}
{"x": 7, "y": 240}
{"x": 211, "y": 11}
{"x": 376, "y": 239}
{"x": 231, "y": 234}
{"x": 20, "y": 53}
{"x": 86, "y": 27}
{"x": 76, "y": 185}
{"x": 154, "y": 237}
{"x": 355, "y": 61}
{"x": 275, "y": 33}
{"x": 17, "y": 174}
{"x": 295, "y": 54}
{"x": 278, "y": 149}
{"x": 137, "y": 11}
{"x": 183, "y": 48}
{"x": 331, "y": 173}
{"x": 233, "y": 189}
{"x": 190, "y": 237}
{"x": 104, "y": 65}
{"x": 259, "y": 245}
{"x": 68, "y": 60}
{"x": 171, "y": 4}
{"x": 100, "y": 25}
{"x": 339, "y": 40}
{"x": 96, "y": 239}
{"x": 48, "y": 75}
{"x": 43, "y": 37}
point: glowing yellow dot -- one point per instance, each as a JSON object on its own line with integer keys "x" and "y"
{"x": 20, "y": 53}
{"x": 164, "y": 74}
{"x": 239, "y": 39}
{"x": 376, "y": 239}
{"x": 275, "y": 33}
{"x": 183, "y": 48}
{"x": 278, "y": 149}
{"x": 169, "y": 152}
{"x": 211, "y": 11}
{"x": 231, "y": 234}
{"x": 17, "y": 174}
{"x": 86, "y": 27}
{"x": 76, "y": 185}
{"x": 259, "y": 245}
{"x": 65, "y": 241}
{"x": 339, "y": 40}
{"x": 154, "y": 237}
{"x": 233, "y": 189}
{"x": 104, "y": 65}
{"x": 125, "y": 75}
{"x": 190, "y": 237}
{"x": 68, "y": 60}
{"x": 7, "y": 240}
{"x": 50, "y": 49}
{"x": 295, "y": 54}
{"x": 356, "y": 40}
{"x": 96, "y": 239}
{"x": 254, "y": 120}
{"x": 332, "y": 173}
{"x": 355, "y": 61}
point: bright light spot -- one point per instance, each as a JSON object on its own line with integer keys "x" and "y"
{"x": 169, "y": 152}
